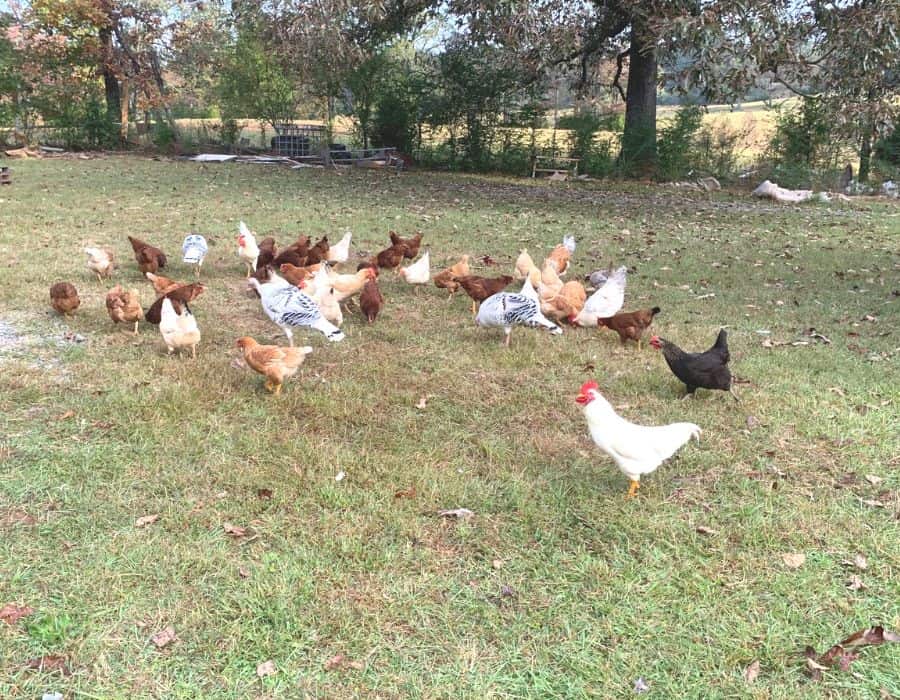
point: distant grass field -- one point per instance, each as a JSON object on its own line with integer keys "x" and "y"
{"x": 557, "y": 587}
{"x": 751, "y": 124}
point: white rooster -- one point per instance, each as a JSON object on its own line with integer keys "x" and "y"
{"x": 508, "y": 310}
{"x": 193, "y": 251}
{"x": 419, "y": 272}
{"x": 636, "y": 449}
{"x": 248, "y": 251}
{"x": 605, "y": 302}
{"x": 340, "y": 251}
{"x": 290, "y": 308}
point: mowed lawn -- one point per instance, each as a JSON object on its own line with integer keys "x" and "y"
{"x": 557, "y": 587}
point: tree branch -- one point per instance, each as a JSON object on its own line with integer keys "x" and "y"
{"x": 615, "y": 81}
{"x": 796, "y": 91}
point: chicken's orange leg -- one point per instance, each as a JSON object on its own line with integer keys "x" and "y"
{"x": 632, "y": 489}
{"x": 474, "y": 309}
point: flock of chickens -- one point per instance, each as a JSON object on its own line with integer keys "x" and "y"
{"x": 299, "y": 287}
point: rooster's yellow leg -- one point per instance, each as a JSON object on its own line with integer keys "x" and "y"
{"x": 473, "y": 307}
{"x": 277, "y": 389}
{"x": 632, "y": 489}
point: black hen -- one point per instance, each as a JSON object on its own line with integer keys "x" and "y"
{"x": 699, "y": 370}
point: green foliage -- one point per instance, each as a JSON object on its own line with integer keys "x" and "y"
{"x": 802, "y": 133}
{"x": 583, "y": 126}
{"x": 50, "y": 631}
{"x": 887, "y": 149}
{"x": 393, "y": 123}
{"x": 85, "y": 125}
{"x": 676, "y": 144}
{"x": 252, "y": 84}
{"x": 164, "y": 137}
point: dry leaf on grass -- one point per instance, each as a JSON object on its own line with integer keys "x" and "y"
{"x": 406, "y": 493}
{"x": 874, "y": 480}
{"x": 751, "y": 672}
{"x": 461, "y": 513}
{"x": 243, "y": 573}
{"x": 11, "y": 613}
{"x": 838, "y": 655}
{"x": 50, "y": 662}
{"x": 641, "y": 686}
{"x": 265, "y": 494}
{"x": 266, "y": 668}
{"x": 703, "y": 530}
{"x": 65, "y": 416}
{"x": 234, "y": 530}
{"x": 872, "y": 503}
{"x": 423, "y": 403}
{"x": 859, "y": 562}
{"x": 145, "y": 520}
{"x": 340, "y": 661}
{"x": 164, "y": 637}
{"x": 238, "y": 363}
{"x": 794, "y": 560}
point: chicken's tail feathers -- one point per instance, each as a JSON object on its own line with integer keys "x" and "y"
{"x": 721, "y": 340}
{"x": 696, "y": 432}
{"x": 328, "y": 329}
{"x": 655, "y": 310}
{"x": 243, "y": 228}
{"x": 569, "y": 243}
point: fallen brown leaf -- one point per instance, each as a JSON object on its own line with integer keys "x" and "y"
{"x": 406, "y": 493}
{"x": 870, "y": 637}
{"x": 243, "y": 573}
{"x": 265, "y": 494}
{"x": 794, "y": 560}
{"x": 50, "y": 662}
{"x": 751, "y": 672}
{"x": 874, "y": 480}
{"x": 11, "y": 613}
{"x": 266, "y": 668}
{"x": 65, "y": 416}
{"x": 234, "y": 530}
{"x": 145, "y": 520}
{"x": 164, "y": 637}
{"x": 703, "y": 530}
{"x": 340, "y": 661}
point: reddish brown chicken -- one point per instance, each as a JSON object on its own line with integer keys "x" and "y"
{"x": 148, "y": 257}
{"x": 184, "y": 293}
{"x": 64, "y": 298}
{"x": 295, "y": 275}
{"x": 390, "y": 258}
{"x": 318, "y": 252}
{"x": 371, "y": 300}
{"x": 370, "y": 264}
{"x": 480, "y": 288}
{"x": 410, "y": 246}
{"x": 631, "y": 325}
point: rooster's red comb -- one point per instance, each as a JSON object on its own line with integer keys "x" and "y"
{"x": 587, "y": 386}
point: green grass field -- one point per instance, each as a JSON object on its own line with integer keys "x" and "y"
{"x": 557, "y": 587}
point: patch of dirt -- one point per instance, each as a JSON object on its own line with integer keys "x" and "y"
{"x": 34, "y": 342}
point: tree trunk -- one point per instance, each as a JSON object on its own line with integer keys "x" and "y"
{"x": 126, "y": 103}
{"x": 110, "y": 82}
{"x": 865, "y": 154}
{"x": 639, "y": 140}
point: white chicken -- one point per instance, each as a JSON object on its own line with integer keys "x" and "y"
{"x": 290, "y": 308}
{"x": 528, "y": 290}
{"x": 179, "y": 330}
{"x": 100, "y": 261}
{"x": 419, "y": 272}
{"x": 323, "y": 294}
{"x": 193, "y": 251}
{"x": 340, "y": 251}
{"x": 508, "y": 310}
{"x": 248, "y": 251}
{"x": 636, "y": 449}
{"x": 605, "y": 302}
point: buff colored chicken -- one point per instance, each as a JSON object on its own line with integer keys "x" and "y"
{"x": 525, "y": 267}
{"x": 64, "y": 298}
{"x": 560, "y": 255}
{"x": 275, "y": 363}
{"x": 124, "y": 306}
{"x": 100, "y": 261}
{"x": 445, "y": 278}
{"x": 346, "y": 286}
{"x": 569, "y": 302}
{"x": 550, "y": 285}
{"x": 321, "y": 290}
